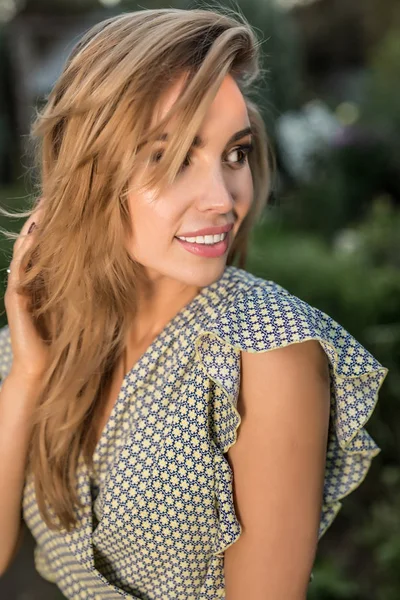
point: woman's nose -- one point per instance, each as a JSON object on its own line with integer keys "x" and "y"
{"x": 215, "y": 192}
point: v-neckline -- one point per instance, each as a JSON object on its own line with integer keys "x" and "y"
{"x": 183, "y": 314}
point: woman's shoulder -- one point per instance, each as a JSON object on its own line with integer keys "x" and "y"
{"x": 255, "y": 293}
{"x": 261, "y": 315}
{"x": 260, "y": 311}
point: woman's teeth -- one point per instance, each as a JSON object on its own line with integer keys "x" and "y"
{"x": 204, "y": 239}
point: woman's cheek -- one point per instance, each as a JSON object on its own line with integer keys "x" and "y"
{"x": 245, "y": 190}
{"x": 245, "y": 203}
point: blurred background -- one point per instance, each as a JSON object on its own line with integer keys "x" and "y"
{"x": 331, "y": 232}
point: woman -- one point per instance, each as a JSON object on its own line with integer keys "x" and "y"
{"x": 173, "y": 426}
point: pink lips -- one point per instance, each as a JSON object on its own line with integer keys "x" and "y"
{"x": 208, "y": 250}
{"x": 208, "y": 231}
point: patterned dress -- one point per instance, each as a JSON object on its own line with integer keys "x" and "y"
{"x": 160, "y": 514}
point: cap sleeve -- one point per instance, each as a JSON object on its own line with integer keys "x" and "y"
{"x": 5, "y": 353}
{"x": 264, "y": 317}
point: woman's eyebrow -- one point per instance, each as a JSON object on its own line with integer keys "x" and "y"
{"x": 199, "y": 143}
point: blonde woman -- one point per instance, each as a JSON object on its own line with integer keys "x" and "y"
{"x": 171, "y": 426}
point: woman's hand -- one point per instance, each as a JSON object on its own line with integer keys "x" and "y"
{"x": 30, "y": 353}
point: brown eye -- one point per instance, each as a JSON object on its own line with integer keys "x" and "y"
{"x": 244, "y": 150}
{"x": 156, "y": 157}
{"x": 185, "y": 164}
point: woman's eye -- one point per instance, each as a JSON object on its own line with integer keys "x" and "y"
{"x": 243, "y": 150}
{"x": 156, "y": 157}
{"x": 185, "y": 163}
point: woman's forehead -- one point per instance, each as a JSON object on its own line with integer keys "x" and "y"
{"x": 228, "y": 107}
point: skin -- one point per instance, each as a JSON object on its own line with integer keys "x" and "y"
{"x": 215, "y": 189}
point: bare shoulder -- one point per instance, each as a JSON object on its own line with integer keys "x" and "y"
{"x": 280, "y": 362}
{"x": 283, "y": 387}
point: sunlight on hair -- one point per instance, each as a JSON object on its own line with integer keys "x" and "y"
{"x": 88, "y": 138}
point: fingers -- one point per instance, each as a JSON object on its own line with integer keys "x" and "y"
{"x": 19, "y": 248}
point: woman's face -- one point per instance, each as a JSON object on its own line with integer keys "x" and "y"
{"x": 214, "y": 188}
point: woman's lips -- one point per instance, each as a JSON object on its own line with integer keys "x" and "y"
{"x": 208, "y": 231}
{"x": 206, "y": 250}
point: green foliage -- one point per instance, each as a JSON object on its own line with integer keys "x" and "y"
{"x": 382, "y": 536}
{"x": 330, "y": 583}
{"x": 347, "y": 178}
{"x": 346, "y": 284}
{"x": 361, "y": 164}
{"x": 380, "y": 239}
{"x": 381, "y": 102}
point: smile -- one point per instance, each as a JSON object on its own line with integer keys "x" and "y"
{"x": 209, "y": 246}
{"x": 204, "y": 239}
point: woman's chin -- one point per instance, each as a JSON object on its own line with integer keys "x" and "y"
{"x": 207, "y": 275}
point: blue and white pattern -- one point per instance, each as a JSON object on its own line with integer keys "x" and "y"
{"x": 164, "y": 514}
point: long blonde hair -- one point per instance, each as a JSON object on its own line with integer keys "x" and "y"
{"x": 91, "y": 133}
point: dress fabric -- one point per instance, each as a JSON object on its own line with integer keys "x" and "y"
{"x": 160, "y": 514}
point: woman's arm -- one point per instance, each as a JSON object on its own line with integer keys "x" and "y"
{"x": 18, "y": 397}
{"x": 278, "y": 464}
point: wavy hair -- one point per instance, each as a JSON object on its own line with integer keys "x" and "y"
{"x": 89, "y": 136}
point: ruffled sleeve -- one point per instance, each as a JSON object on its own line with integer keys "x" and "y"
{"x": 5, "y": 353}
{"x": 266, "y": 316}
